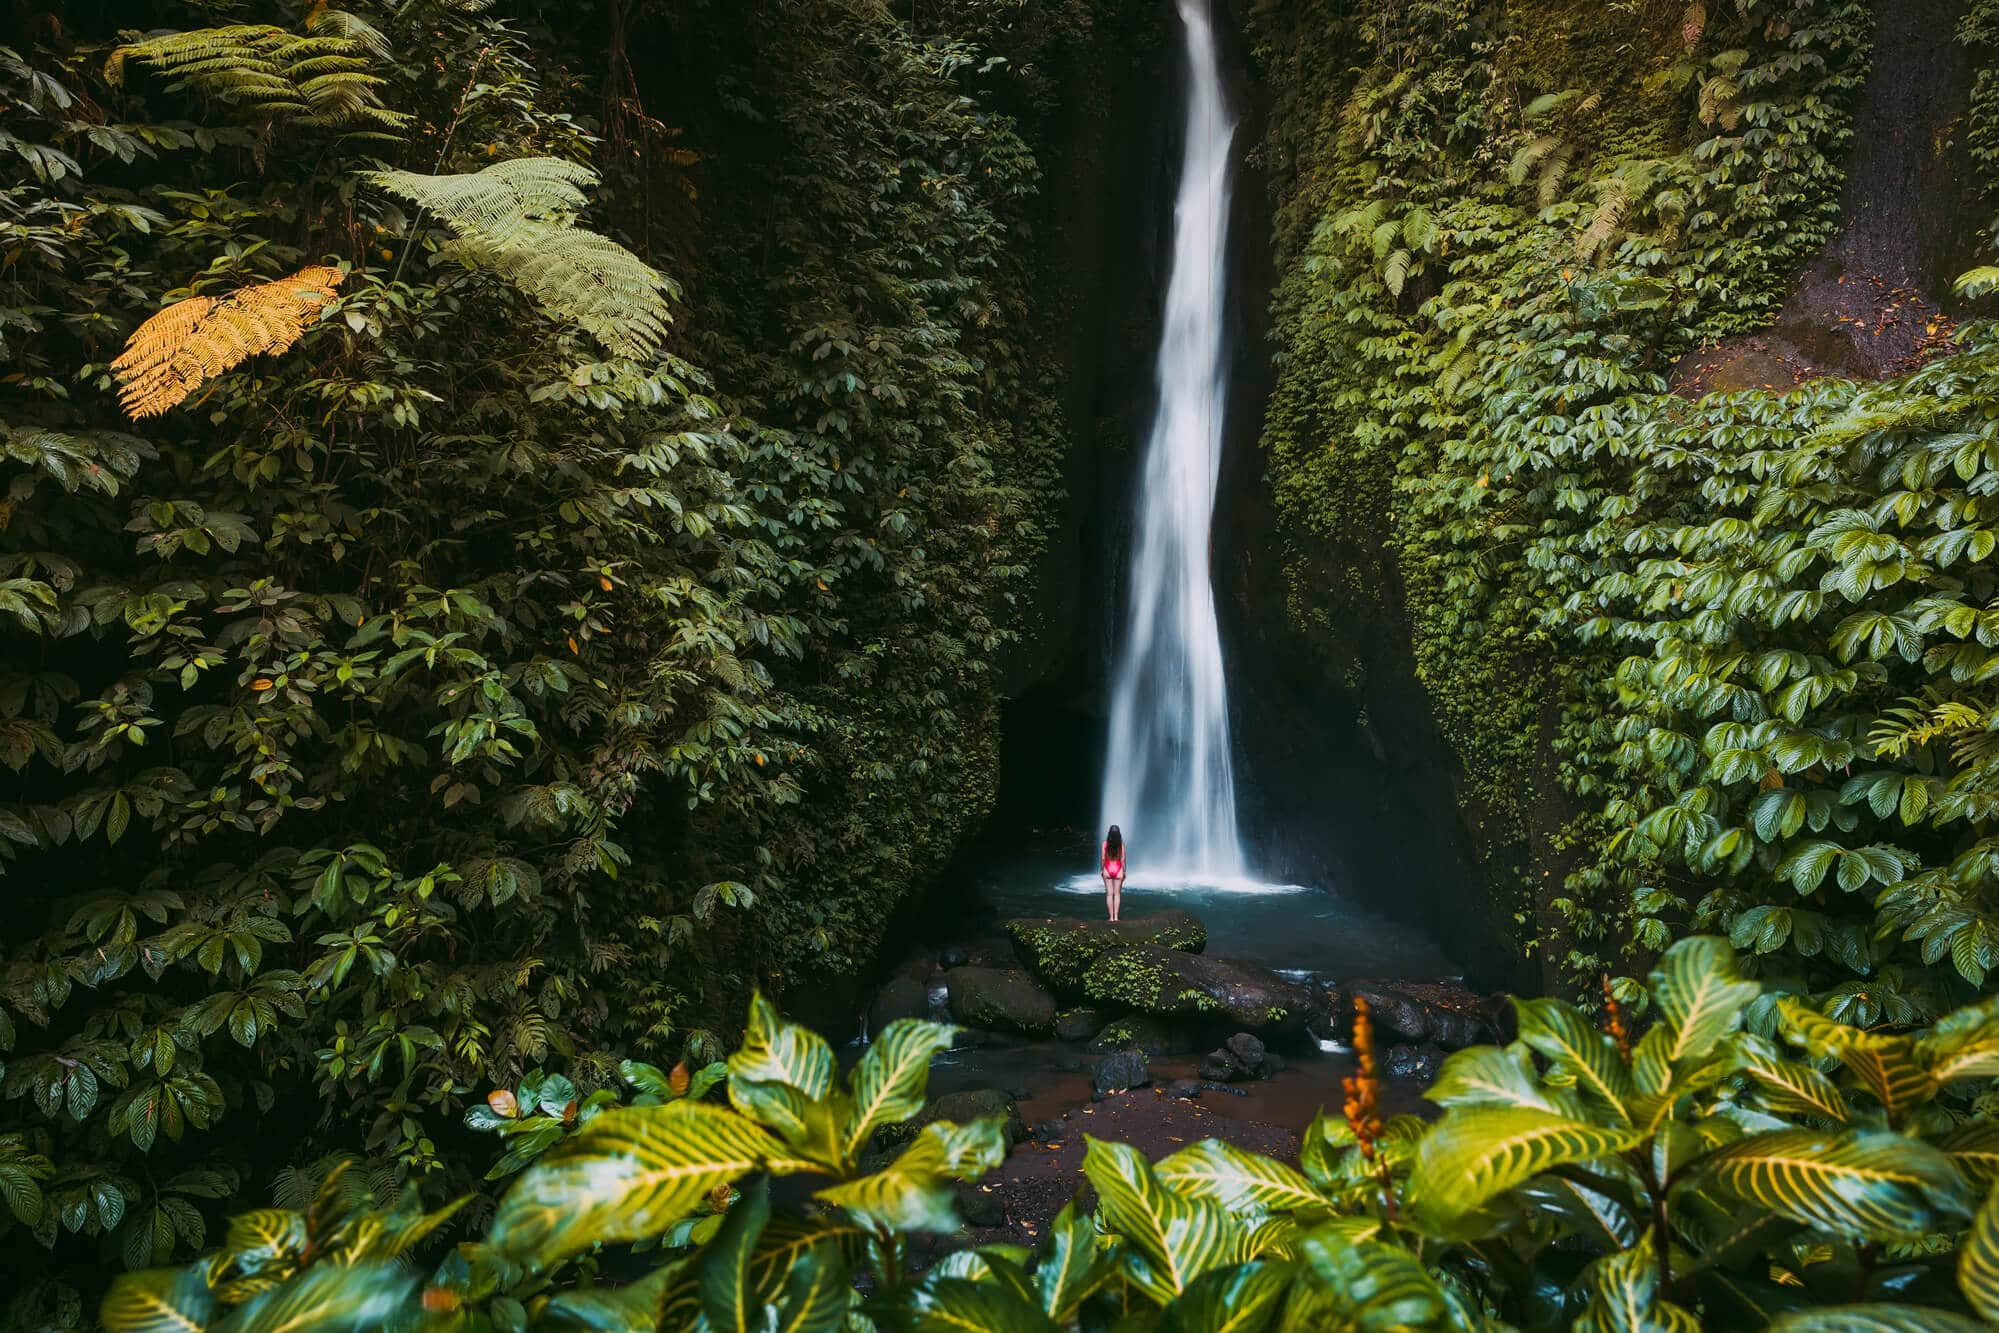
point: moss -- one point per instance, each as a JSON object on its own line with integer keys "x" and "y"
{"x": 1060, "y": 950}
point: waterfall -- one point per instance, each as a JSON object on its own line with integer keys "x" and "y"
{"x": 1168, "y": 779}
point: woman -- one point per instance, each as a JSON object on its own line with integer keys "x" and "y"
{"x": 1113, "y": 870}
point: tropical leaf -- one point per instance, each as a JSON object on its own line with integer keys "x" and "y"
{"x": 1243, "y": 1299}
{"x": 632, "y": 1173}
{"x": 1374, "y": 1286}
{"x": 1578, "y": 1055}
{"x": 1858, "y": 1183}
{"x": 161, "y": 1300}
{"x": 913, "y": 1193}
{"x": 1625, "y": 1296}
{"x": 774, "y": 1051}
{"x": 194, "y": 340}
{"x": 1789, "y": 1087}
{"x": 1964, "y": 1044}
{"x": 1173, "y": 1240}
{"x": 327, "y": 1298}
{"x": 1974, "y": 1147}
{"x": 1240, "y": 1181}
{"x": 1072, "y": 1263}
{"x": 1875, "y": 1317}
{"x": 635, "y": 1305}
{"x": 729, "y": 1298}
{"x": 963, "y": 1305}
{"x": 1477, "y": 1152}
{"x": 1887, "y": 1064}
{"x": 1978, "y": 1261}
{"x": 818, "y": 1292}
{"x": 1700, "y": 995}
{"x": 1496, "y": 1076}
{"x": 888, "y": 1084}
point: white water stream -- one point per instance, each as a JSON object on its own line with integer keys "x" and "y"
{"x": 1168, "y": 778}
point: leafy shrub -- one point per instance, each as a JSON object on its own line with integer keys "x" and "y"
{"x": 1697, "y": 1176}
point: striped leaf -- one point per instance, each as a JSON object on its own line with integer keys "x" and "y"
{"x": 636, "y": 1305}
{"x": 1243, "y": 1299}
{"x": 1172, "y": 1239}
{"x": 1964, "y": 1044}
{"x": 1789, "y": 1087}
{"x": 329, "y": 1298}
{"x": 1592, "y": 1214}
{"x": 1496, "y": 1076}
{"x": 729, "y": 1297}
{"x": 1858, "y": 1183}
{"x": 1974, "y": 1147}
{"x": 1477, "y": 1152}
{"x": 1578, "y": 1055}
{"x": 1238, "y": 1180}
{"x": 913, "y": 1193}
{"x": 786, "y": 1241}
{"x": 160, "y": 1300}
{"x": 774, "y": 1051}
{"x": 1625, "y": 1297}
{"x": 1978, "y": 1261}
{"x": 1886, "y": 1064}
{"x": 1700, "y": 995}
{"x": 1072, "y": 1263}
{"x": 632, "y": 1173}
{"x": 962, "y": 1305}
{"x": 818, "y": 1292}
{"x": 264, "y": 1238}
{"x": 1876, "y": 1317}
{"x": 1370, "y": 1285}
{"x": 889, "y": 1082}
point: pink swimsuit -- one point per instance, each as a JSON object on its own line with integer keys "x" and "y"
{"x": 1114, "y": 869}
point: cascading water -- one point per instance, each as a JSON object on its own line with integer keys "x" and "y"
{"x": 1168, "y": 778}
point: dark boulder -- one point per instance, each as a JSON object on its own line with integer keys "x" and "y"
{"x": 1420, "y": 1063}
{"x": 1049, "y": 1131}
{"x": 956, "y": 955}
{"x": 1120, "y": 1072}
{"x": 902, "y": 997}
{"x": 1221, "y": 1066}
{"x": 1247, "y": 1050}
{"x": 1430, "y": 1013}
{"x": 959, "y": 1108}
{"x": 1186, "y": 1088}
{"x": 1003, "y": 998}
{"x": 1059, "y": 949}
{"x": 1154, "y": 1036}
{"x": 980, "y": 1205}
{"x": 1079, "y": 1024}
{"x": 1173, "y": 984}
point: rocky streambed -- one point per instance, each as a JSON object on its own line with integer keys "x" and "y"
{"x": 1134, "y": 1031}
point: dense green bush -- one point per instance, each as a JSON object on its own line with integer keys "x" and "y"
{"x": 444, "y": 674}
{"x": 1697, "y": 1176}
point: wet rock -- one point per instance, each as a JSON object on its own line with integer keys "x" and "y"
{"x": 955, "y": 955}
{"x": 1223, "y": 1087}
{"x": 959, "y": 1108}
{"x": 1059, "y": 949}
{"x": 1121, "y": 1071}
{"x": 902, "y": 997}
{"x": 1273, "y": 1064}
{"x": 1424, "y": 1013}
{"x": 1049, "y": 1131}
{"x": 1154, "y": 1036}
{"x": 1247, "y": 1050}
{"x": 980, "y": 1205}
{"x": 1003, "y": 998}
{"x": 1220, "y": 1066}
{"x": 1413, "y": 1062}
{"x": 1185, "y": 1088}
{"x": 1078, "y": 1024}
{"x": 1170, "y": 983}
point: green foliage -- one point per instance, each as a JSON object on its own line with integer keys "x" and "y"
{"x": 1670, "y": 1191}
{"x": 473, "y": 684}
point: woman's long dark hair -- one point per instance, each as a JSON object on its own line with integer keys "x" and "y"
{"x": 1114, "y": 844}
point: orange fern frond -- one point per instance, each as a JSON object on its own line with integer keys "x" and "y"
{"x": 193, "y": 341}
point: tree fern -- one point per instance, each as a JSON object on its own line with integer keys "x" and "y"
{"x": 517, "y": 218}
{"x": 265, "y": 74}
{"x": 194, "y": 340}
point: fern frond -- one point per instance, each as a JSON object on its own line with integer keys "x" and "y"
{"x": 1419, "y": 230}
{"x": 349, "y": 26}
{"x": 1396, "y": 271}
{"x": 1554, "y": 169}
{"x": 1694, "y": 22}
{"x": 1977, "y": 282}
{"x": 517, "y": 218}
{"x": 1530, "y": 156}
{"x": 194, "y": 340}
{"x": 1719, "y": 102}
{"x": 265, "y": 74}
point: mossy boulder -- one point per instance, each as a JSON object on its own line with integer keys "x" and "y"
{"x": 1060, "y": 949}
{"x": 1154, "y": 1036}
{"x": 1004, "y": 999}
{"x": 1080, "y": 1023}
{"x": 1173, "y": 984}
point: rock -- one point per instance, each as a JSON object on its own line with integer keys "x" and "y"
{"x": 1004, "y": 998}
{"x": 1185, "y": 1088}
{"x": 1049, "y": 1131}
{"x": 1413, "y": 1062}
{"x": 1221, "y": 1066}
{"x": 1174, "y": 984}
{"x": 1223, "y": 1087}
{"x": 1247, "y": 1050}
{"x": 1059, "y": 949}
{"x": 1078, "y": 1024}
{"x": 1154, "y": 1036}
{"x": 980, "y": 1205}
{"x": 1273, "y": 1064}
{"x": 955, "y": 955}
{"x": 1120, "y": 1072}
{"x": 960, "y": 1108}
{"x": 902, "y": 997}
{"x": 1418, "y": 1013}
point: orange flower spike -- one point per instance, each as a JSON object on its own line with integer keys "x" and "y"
{"x": 1614, "y": 1019}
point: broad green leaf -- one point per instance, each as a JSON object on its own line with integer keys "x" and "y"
{"x": 1964, "y": 1044}
{"x": 818, "y": 1292}
{"x": 1238, "y": 1180}
{"x": 1978, "y": 1261}
{"x": 1173, "y": 1240}
{"x": 1590, "y": 1213}
{"x": 264, "y": 1238}
{"x": 1789, "y": 1086}
{"x": 1578, "y": 1055}
{"x": 632, "y": 1173}
{"x": 1072, "y": 1264}
{"x": 328, "y": 1298}
{"x": 1861, "y": 1183}
{"x": 636, "y": 1305}
{"x": 1243, "y": 1299}
{"x": 913, "y": 1193}
{"x": 1625, "y": 1296}
{"x": 889, "y": 1082}
{"x": 1700, "y": 995}
{"x": 1375, "y": 1286}
{"x": 729, "y": 1297}
{"x": 1477, "y": 1152}
{"x": 774, "y": 1051}
{"x": 961, "y": 1305}
{"x": 1974, "y": 1146}
{"x": 1496, "y": 1076}
{"x": 161, "y": 1300}
{"x": 1887, "y": 1064}
{"x": 1875, "y": 1317}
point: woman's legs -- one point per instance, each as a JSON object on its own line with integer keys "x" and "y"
{"x": 1115, "y": 888}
